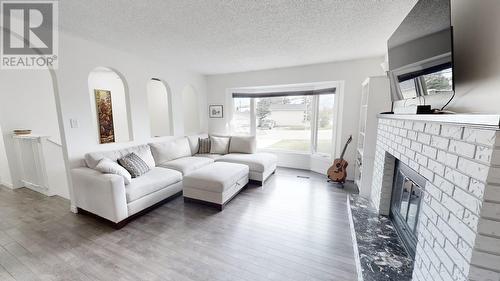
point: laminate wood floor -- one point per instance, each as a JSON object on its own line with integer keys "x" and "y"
{"x": 291, "y": 229}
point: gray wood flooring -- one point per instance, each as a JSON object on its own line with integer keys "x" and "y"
{"x": 291, "y": 229}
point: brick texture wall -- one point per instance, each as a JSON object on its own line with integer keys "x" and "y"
{"x": 459, "y": 223}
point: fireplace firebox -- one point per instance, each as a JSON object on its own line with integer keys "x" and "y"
{"x": 407, "y": 193}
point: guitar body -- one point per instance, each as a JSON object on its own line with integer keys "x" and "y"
{"x": 338, "y": 171}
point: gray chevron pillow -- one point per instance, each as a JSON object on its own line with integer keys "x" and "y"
{"x": 134, "y": 165}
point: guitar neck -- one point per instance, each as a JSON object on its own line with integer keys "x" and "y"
{"x": 345, "y": 148}
{"x": 343, "y": 152}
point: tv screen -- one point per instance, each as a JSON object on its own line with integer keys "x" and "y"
{"x": 420, "y": 52}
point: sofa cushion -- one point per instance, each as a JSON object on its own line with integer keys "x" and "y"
{"x": 209, "y": 155}
{"x": 219, "y": 145}
{"x": 143, "y": 151}
{"x": 257, "y": 162}
{"x": 111, "y": 167}
{"x": 193, "y": 142}
{"x": 187, "y": 165}
{"x": 156, "y": 179}
{"x": 243, "y": 144}
{"x": 170, "y": 150}
{"x": 134, "y": 165}
{"x": 216, "y": 177}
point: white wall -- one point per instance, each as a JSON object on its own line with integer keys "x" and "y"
{"x": 27, "y": 102}
{"x": 352, "y": 73}
{"x": 477, "y": 55}
{"x": 159, "y": 107}
{"x": 106, "y": 79}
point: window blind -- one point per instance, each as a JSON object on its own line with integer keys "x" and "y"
{"x": 326, "y": 91}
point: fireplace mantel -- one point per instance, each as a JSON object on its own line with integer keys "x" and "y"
{"x": 482, "y": 121}
{"x": 459, "y": 223}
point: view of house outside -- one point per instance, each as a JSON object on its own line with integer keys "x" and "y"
{"x": 284, "y": 123}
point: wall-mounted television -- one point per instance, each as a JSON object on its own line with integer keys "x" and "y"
{"x": 420, "y": 52}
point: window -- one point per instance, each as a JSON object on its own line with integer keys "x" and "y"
{"x": 287, "y": 121}
{"x": 241, "y": 116}
{"x": 284, "y": 123}
{"x": 325, "y": 124}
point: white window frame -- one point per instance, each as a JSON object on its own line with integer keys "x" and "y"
{"x": 337, "y": 113}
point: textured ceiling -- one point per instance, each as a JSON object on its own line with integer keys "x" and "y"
{"x": 213, "y": 37}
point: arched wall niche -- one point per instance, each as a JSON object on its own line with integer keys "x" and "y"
{"x": 191, "y": 110}
{"x": 109, "y": 105}
{"x": 159, "y": 108}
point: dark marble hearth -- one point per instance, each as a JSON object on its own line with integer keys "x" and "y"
{"x": 381, "y": 252}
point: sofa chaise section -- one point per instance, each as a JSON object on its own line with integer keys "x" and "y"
{"x": 177, "y": 155}
{"x": 261, "y": 164}
{"x": 187, "y": 165}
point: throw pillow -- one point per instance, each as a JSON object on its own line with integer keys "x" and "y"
{"x": 108, "y": 166}
{"x": 219, "y": 145}
{"x": 242, "y": 144}
{"x": 203, "y": 145}
{"x": 194, "y": 142}
{"x": 134, "y": 165}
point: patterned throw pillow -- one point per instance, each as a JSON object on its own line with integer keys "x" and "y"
{"x": 134, "y": 165}
{"x": 204, "y": 146}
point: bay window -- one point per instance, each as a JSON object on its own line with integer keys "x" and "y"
{"x": 295, "y": 121}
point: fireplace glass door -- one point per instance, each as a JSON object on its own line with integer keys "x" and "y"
{"x": 405, "y": 204}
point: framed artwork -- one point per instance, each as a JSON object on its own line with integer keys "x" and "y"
{"x": 216, "y": 111}
{"x": 104, "y": 111}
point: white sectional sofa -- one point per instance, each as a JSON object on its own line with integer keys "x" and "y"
{"x": 118, "y": 200}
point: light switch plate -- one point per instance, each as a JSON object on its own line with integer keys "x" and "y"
{"x": 73, "y": 123}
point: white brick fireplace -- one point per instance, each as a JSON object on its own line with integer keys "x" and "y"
{"x": 459, "y": 223}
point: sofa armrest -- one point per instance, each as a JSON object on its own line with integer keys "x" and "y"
{"x": 100, "y": 194}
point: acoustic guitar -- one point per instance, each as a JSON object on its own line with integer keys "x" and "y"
{"x": 337, "y": 172}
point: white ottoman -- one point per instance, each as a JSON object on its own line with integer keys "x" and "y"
{"x": 215, "y": 184}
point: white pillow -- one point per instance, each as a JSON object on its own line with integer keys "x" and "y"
{"x": 219, "y": 145}
{"x": 170, "y": 150}
{"x": 108, "y": 166}
{"x": 242, "y": 144}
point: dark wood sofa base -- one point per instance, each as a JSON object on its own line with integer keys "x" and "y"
{"x": 124, "y": 222}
